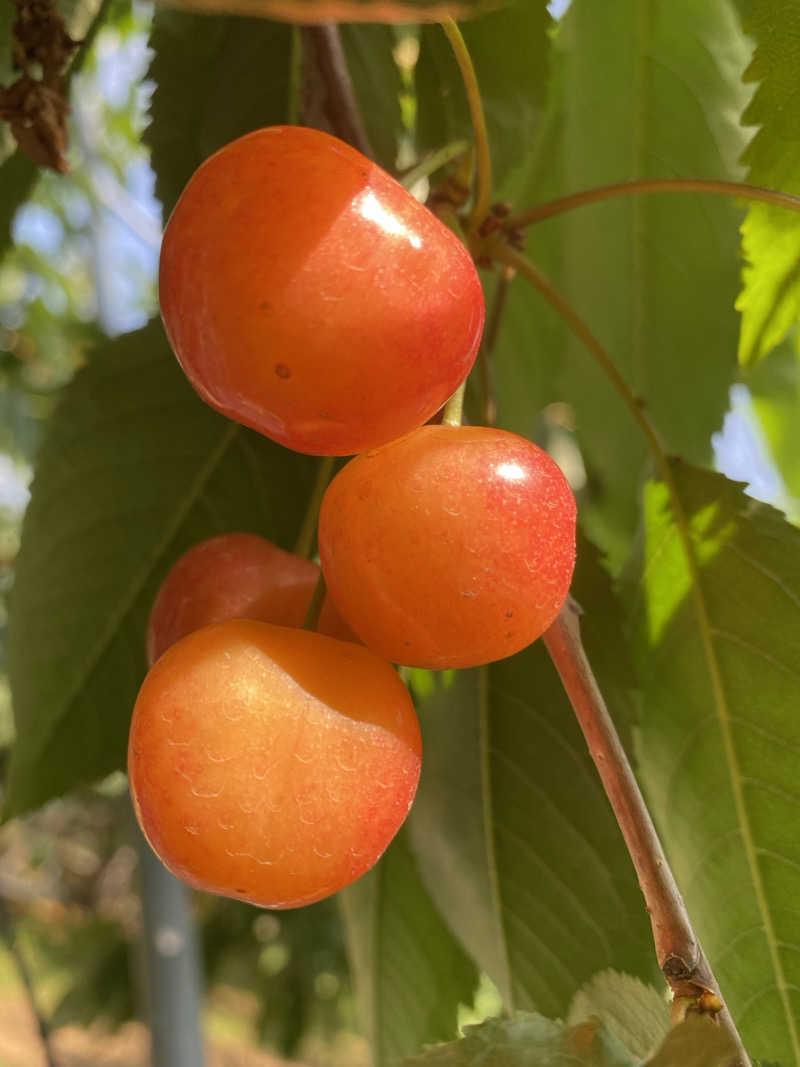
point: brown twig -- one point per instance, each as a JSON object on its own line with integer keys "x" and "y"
{"x": 679, "y": 953}
{"x": 338, "y": 104}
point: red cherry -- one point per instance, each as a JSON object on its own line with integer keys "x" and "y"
{"x": 308, "y": 295}
{"x": 236, "y": 575}
{"x": 451, "y": 547}
{"x": 271, "y": 764}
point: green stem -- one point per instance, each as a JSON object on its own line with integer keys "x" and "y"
{"x": 295, "y": 78}
{"x": 642, "y": 186}
{"x": 483, "y": 158}
{"x": 500, "y": 251}
{"x": 433, "y": 162}
{"x": 305, "y": 539}
{"x": 454, "y": 408}
{"x": 311, "y": 621}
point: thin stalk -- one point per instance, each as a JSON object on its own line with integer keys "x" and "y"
{"x": 500, "y": 251}
{"x": 433, "y": 162}
{"x": 454, "y": 408}
{"x": 680, "y": 955}
{"x": 642, "y": 186}
{"x": 311, "y": 621}
{"x": 483, "y": 160}
{"x": 305, "y": 539}
{"x": 295, "y": 108}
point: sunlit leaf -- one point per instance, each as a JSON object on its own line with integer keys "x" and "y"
{"x": 410, "y": 973}
{"x": 718, "y": 647}
{"x": 532, "y": 1041}
{"x": 635, "y": 1013}
{"x": 515, "y": 838}
{"x": 770, "y": 298}
{"x": 134, "y": 469}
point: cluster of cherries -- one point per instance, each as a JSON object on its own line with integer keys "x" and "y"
{"x": 308, "y": 295}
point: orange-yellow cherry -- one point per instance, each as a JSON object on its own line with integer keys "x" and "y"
{"x": 451, "y": 547}
{"x": 271, "y": 764}
{"x": 308, "y": 295}
{"x": 236, "y": 575}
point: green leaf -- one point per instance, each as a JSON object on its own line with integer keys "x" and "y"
{"x": 515, "y": 838}
{"x": 134, "y": 469}
{"x": 770, "y": 298}
{"x": 650, "y": 90}
{"x": 775, "y": 389}
{"x": 635, "y": 1013}
{"x": 718, "y": 647}
{"x": 533, "y": 1041}
{"x": 377, "y": 85}
{"x": 306, "y": 11}
{"x": 411, "y": 975}
{"x": 216, "y": 79}
{"x": 510, "y": 51}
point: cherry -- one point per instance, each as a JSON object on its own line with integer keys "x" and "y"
{"x": 451, "y": 547}
{"x": 271, "y": 764}
{"x": 236, "y": 575}
{"x": 308, "y": 295}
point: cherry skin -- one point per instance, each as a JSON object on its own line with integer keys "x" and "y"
{"x": 271, "y": 764}
{"x": 451, "y": 547}
{"x": 308, "y": 295}
{"x": 236, "y": 575}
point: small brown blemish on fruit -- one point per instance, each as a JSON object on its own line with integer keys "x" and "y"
{"x": 265, "y": 306}
{"x": 509, "y": 614}
{"x": 282, "y": 370}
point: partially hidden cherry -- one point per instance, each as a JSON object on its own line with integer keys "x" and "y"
{"x": 236, "y": 575}
{"x": 451, "y": 547}
{"x": 271, "y": 764}
{"x": 308, "y": 295}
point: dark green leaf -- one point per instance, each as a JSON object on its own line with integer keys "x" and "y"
{"x": 515, "y": 838}
{"x": 718, "y": 648}
{"x": 216, "y": 79}
{"x": 410, "y": 973}
{"x": 134, "y": 469}
{"x": 770, "y": 299}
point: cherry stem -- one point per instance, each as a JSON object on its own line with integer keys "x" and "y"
{"x": 305, "y": 539}
{"x": 340, "y": 106}
{"x": 679, "y": 953}
{"x": 311, "y": 621}
{"x": 454, "y": 408}
{"x": 433, "y": 162}
{"x": 642, "y": 186}
{"x": 483, "y": 160}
